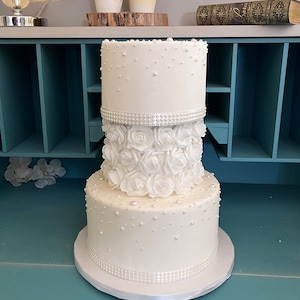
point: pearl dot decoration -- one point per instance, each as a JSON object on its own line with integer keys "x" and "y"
{"x": 147, "y": 277}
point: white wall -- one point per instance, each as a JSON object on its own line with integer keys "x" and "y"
{"x": 73, "y": 12}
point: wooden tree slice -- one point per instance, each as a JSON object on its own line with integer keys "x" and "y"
{"x": 127, "y": 19}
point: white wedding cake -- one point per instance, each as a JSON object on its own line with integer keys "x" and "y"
{"x": 152, "y": 209}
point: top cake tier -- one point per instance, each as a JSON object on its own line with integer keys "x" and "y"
{"x": 153, "y": 83}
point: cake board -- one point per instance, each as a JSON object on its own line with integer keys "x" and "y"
{"x": 204, "y": 282}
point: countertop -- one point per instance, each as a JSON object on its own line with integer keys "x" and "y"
{"x": 38, "y": 229}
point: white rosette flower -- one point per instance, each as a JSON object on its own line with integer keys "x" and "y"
{"x": 18, "y": 170}
{"x": 184, "y": 182}
{"x": 200, "y": 129}
{"x": 110, "y": 154}
{"x": 140, "y": 138}
{"x": 58, "y": 170}
{"x": 164, "y": 138}
{"x": 134, "y": 184}
{"x": 115, "y": 176}
{"x": 115, "y": 134}
{"x": 198, "y": 172}
{"x": 105, "y": 125}
{"x": 184, "y": 135}
{"x": 105, "y": 168}
{"x": 152, "y": 163}
{"x": 176, "y": 162}
{"x": 45, "y": 174}
{"x": 160, "y": 186}
{"x": 129, "y": 159}
{"x": 194, "y": 152}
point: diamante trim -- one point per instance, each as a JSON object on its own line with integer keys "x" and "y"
{"x": 151, "y": 277}
{"x": 152, "y": 119}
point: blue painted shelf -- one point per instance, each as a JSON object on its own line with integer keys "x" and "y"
{"x": 50, "y": 98}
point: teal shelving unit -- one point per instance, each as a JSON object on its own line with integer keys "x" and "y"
{"x": 253, "y": 101}
{"x": 289, "y": 134}
{"x": 220, "y": 90}
{"x": 257, "y": 100}
{"x": 50, "y": 98}
{"x": 21, "y": 126}
{"x": 61, "y": 98}
{"x": 90, "y": 54}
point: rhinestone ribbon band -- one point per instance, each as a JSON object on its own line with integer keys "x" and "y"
{"x": 147, "y": 277}
{"x": 153, "y": 119}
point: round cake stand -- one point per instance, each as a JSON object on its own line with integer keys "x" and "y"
{"x": 206, "y": 281}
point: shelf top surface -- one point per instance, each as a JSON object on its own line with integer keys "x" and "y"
{"x": 225, "y": 31}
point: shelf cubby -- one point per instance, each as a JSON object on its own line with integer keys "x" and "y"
{"x": 92, "y": 65}
{"x": 91, "y": 94}
{"x": 257, "y": 97}
{"x": 61, "y": 99}
{"x": 95, "y": 122}
{"x": 219, "y": 63}
{"x": 217, "y": 119}
{"x": 289, "y": 138}
{"x": 20, "y": 121}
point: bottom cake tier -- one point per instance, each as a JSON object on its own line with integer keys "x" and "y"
{"x": 152, "y": 240}
{"x": 204, "y": 282}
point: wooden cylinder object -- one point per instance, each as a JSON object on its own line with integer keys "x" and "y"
{"x": 127, "y": 19}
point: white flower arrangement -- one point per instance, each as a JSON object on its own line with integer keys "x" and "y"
{"x": 43, "y": 174}
{"x": 157, "y": 161}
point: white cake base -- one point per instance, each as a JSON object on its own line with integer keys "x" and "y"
{"x": 206, "y": 281}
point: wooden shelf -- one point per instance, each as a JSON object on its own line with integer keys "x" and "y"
{"x": 217, "y": 33}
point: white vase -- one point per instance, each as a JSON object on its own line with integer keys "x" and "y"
{"x": 144, "y": 6}
{"x": 114, "y": 6}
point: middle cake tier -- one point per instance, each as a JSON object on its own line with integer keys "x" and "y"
{"x": 156, "y": 161}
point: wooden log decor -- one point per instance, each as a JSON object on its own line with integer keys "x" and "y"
{"x": 127, "y": 19}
